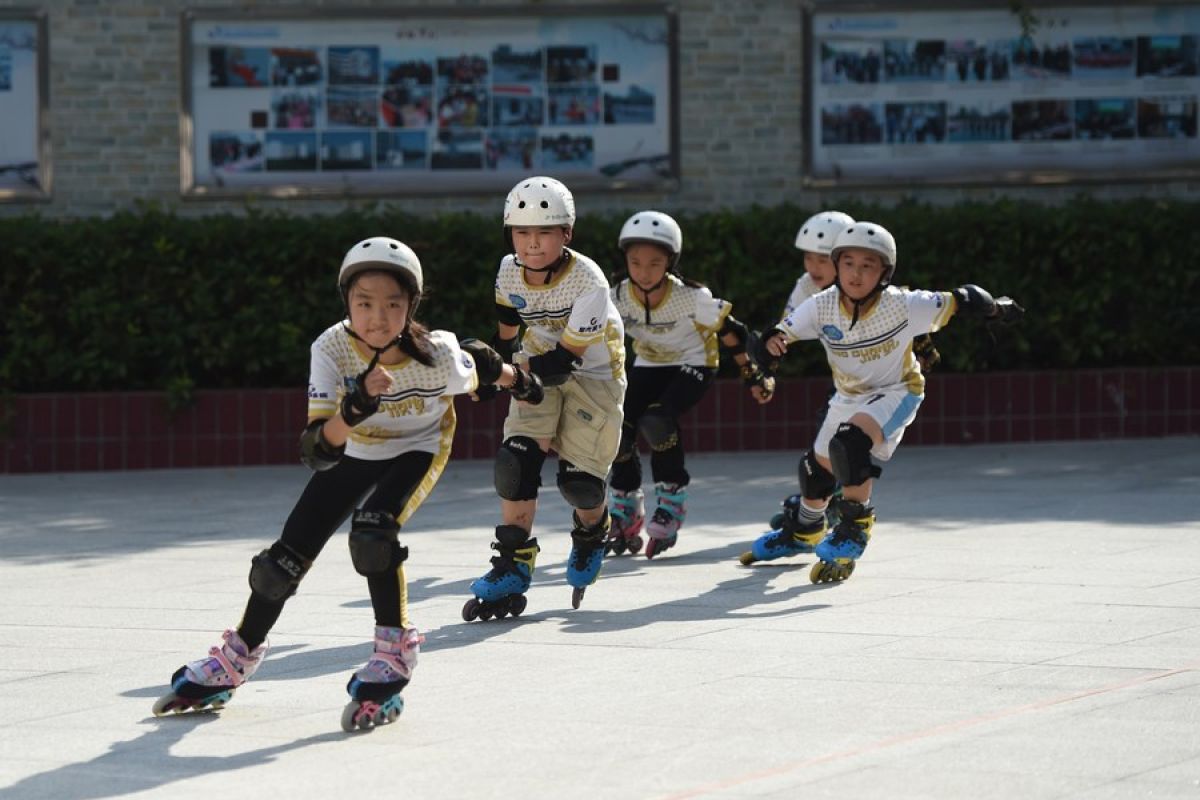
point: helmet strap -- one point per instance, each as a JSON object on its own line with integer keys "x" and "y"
{"x": 548, "y": 270}
{"x": 379, "y": 351}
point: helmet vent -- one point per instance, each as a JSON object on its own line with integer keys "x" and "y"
{"x": 820, "y": 235}
{"x": 545, "y": 204}
{"x": 521, "y": 204}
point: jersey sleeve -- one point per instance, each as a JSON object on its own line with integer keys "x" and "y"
{"x": 929, "y": 311}
{"x": 324, "y": 381}
{"x": 799, "y": 295}
{"x": 802, "y": 322}
{"x": 710, "y": 311}
{"x": 461, "y": 377}
{"x": 589, "y": 317}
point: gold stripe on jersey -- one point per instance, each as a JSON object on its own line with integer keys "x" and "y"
{"x": 445, "y": 441}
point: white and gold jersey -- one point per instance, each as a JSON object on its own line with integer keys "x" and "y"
{"x": 416, "y": 414}
{"x": 805, "y": 288}
{"x": 574, "y": 308}
{"x": 681, "y": 329}
{"x": 876, "y": 354}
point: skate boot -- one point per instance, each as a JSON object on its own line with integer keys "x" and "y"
{"x": 375, "y": 689}
{"x": 587, "y": 555}
{"x": 663, "y": 527}
{"x": 502, "y": 590}
{"x": 845, "y": 543}
{"x": 789, "y": 535}
{"x": 208, "y": 683}
{"x": 628, "y": 511}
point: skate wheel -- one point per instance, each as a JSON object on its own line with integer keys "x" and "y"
{"x": 485, "y": 613}
{"x": 501, "y": 612}
{"x": 166, "y": 704}
{"x": 635, "y": 545}
{"x": 471, "y": 610}
{"x": 577, "y": 596}
{"x": 348, "y": 714}
{"x": 652, "y": 548}
{"x": 747, "y": 558}
{"x": 518, "y": 604}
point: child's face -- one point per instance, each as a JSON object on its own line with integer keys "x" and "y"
{"x": 860, "y": 271}
{"x": 378, "y": 308}
{"x": 647, "y": 264}
{"x": 820, "y": 268}
{"x": 539, "y": 247}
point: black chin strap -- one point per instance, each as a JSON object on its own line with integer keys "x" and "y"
{"x": 858, "y": 304}
{"x": 550, "y": 270}
{"x": 379, "y": 351}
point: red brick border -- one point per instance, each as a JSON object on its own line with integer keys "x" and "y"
{"x": 133, "y": 430}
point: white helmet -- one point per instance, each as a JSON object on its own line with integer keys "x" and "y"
{"x": 382, "y": 253}
{"x": 819, "y": 231}
{"x": 539, "y": 201}
{"x": 870, "y": 236}
{"x": 654, "y": 227}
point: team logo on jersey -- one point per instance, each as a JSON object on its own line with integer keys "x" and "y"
{"x": 467, "y": 362}
{"x": 517, "y": 301}
{"x": 591, "y": 327}
{"x": 832, "y": 332}
{"x": 313, "y": 394}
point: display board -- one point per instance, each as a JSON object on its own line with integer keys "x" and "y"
{"x": 24, "y": 141}
{"x": 410, "y": 102}
{"x": 965, "y": 96}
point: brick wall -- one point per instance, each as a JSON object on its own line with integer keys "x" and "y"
{"x": 115, "y": 103}
{"x": 241, "y": 428}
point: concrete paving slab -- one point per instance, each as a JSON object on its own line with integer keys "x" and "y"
{"x": 1024, "y": 624}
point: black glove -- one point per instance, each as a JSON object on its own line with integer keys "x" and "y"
{"x": 488, "y": 363}
{"x": 753, "y": 376}
{"x": 927, "y": 355}
{"x": 357, "y": 405}
{"x": 527, "y": 387}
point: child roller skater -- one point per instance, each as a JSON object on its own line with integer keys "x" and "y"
{"x": 815, "y": 240}
{"x": 381, "y": 420}
{"x": 675, "y": 324}
{"x": 867, "y": 327}
{"x": 574, "y": 342}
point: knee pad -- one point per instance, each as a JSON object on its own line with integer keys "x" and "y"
{"x": 519, "y": 468}
{"x": 816, "y": 482}
{"x": 276, "y": 572}
{"x": 579, "y": 488}
{"x": 850, "y": 456}
{"x": 659, "y": 428}
{"x": 374, "y": 549}
{"x": 628, "y": 440}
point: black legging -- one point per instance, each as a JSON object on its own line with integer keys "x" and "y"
{"x": 675, "y": 390}
{"x": 324, "y": 505}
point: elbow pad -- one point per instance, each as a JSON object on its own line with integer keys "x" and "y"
{"x": 555, "y": 366}
{"x": 488, "y": 363}
{"x": 737, "y": 329}
{"x": 316, "y": 453}
{"x": 507, "y": 314}
{"x": 974, "y": 300}
{"x": 505, "y": 347}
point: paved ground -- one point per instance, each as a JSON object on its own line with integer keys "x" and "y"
{"x": 1026, "y": 623}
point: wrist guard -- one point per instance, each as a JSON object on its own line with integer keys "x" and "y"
{"x": 505, "y": 347}
{"x": 753, "y": 376}
{"x": 974, "y": 300}
{"x": 927, "y": 355}
{"x": 527, "y": 386}
{"x": 1007, "y": 311}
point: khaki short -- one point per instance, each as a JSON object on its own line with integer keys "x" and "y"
{"x": 582, "y": 419}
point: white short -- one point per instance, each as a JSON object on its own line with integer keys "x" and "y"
{"x": 894, "y": 410}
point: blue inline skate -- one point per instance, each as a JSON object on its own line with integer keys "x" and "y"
{"x": 209, "y": 683}
{"x": 502, "y": 590}
{"x": 845, "y": 543}
{"x": 788, "y": 537}
{"x": 375, "y": 689}
{"x": 663, "y": 527}
{"x": 587, "y": 555}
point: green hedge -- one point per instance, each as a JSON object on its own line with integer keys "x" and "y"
{"x": 150, "y": 300}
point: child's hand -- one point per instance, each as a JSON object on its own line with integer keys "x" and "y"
{"x": 378, "y": 382}
{"x": 776, "y": 344}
